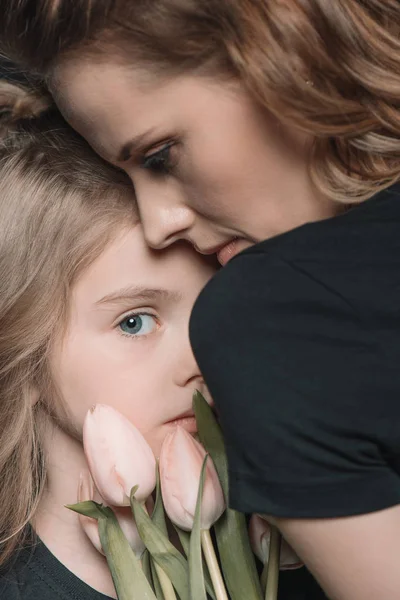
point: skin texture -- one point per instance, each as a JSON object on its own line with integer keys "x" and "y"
{"x": 354, "y": 558}
{"x": 228, "y": 161}
{"x": 150, "y": 378}
{"x": 233, "y": 173}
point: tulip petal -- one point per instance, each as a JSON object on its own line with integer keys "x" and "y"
{"x": 181, "y": 459}
{"x": 118, "y": 456}
{"x": 196, "y": 576}
{"x": 231, "y": 529}
{"x": 260, "y": 535}
{"x": 89, "y": 524}
{"x": 128, "y": 526}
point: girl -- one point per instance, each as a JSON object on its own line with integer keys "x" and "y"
{"x": 87, "y": 314}
{"x": 237, "y": 121}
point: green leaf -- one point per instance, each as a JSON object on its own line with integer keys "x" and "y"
{"x": 196, "y": 578}
{"x": 88, "y": 508}
{"x": 231, "y": 529}
{"x": 184, "y": 538}
{"x": 126, "y": 570}
{"x": 157, "y": 585}
{"x": 161, "y": 549}
{"x": 146, "y": 566}
{"x": 210, "y": 435}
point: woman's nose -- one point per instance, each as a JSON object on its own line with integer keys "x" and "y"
{"x": 164, "y": 219}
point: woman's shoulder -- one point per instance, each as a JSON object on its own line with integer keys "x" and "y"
{"x": 353, "y": 259}
{"x": 364, "y": 232}
{"x": 298, "y": 339}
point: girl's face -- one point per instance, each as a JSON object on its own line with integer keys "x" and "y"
{"x": 208, "y": 165}
{"x": 127, "y": 341}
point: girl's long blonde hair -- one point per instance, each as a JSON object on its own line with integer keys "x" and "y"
{"x": 60, "y": 205}
{"x": 328, "y": 67}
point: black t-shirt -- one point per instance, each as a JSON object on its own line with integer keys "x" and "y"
{"x": 36, "y": 574}
{"x": 298, "y": 338}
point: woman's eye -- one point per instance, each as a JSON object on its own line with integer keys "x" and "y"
{"x": 160, "y": 161}
{"x": 138, "y": 324}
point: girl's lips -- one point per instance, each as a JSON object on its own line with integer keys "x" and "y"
{"x": 188, "y": 423}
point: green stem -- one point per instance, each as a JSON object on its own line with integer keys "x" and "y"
{"x": 165, "y": 582}
{"x": 264, "y": 577}
{"x": 271, "y": 592}
{"x": 213, "y": 567}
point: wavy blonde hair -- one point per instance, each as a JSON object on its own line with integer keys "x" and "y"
{"x": 60, "y": 205}
{"x": 329, "y": 67}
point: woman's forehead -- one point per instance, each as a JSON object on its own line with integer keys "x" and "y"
{"x": 109, "y": 104}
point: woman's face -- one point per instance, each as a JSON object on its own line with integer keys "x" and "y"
{"x": 127, "y": 341}
{"x": 208, "y": 165}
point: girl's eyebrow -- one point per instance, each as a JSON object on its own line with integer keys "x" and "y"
{"x": 140, "y": 293}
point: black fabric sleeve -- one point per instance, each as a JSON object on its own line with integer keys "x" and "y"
{"x": 307, "y": 389}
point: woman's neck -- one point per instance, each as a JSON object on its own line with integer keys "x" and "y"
{"x": 58, "y": 527}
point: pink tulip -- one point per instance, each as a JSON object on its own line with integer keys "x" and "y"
{"x": 181, "y": 459}
{"x": 128, "y": 526}
{"x": 87, "y": 491}
{"x": 118, "y": 456}
{"x": 89, "y": 525}
{"x": 260, "y": 535}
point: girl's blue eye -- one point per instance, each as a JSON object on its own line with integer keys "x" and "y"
{"x": 138, "y": 324}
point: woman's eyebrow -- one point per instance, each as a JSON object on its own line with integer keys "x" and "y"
{"x": 126, "y": 151}
{"x": 139, "y": 293}
{"x": 133, "y": 144}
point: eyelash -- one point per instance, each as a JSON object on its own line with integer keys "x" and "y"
{"x": 132, "y": 336}
{"x": 159, "y": 162}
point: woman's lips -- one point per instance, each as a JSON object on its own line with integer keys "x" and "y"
{"x": 227, "y": 252}
{"x": 230, "y": 250}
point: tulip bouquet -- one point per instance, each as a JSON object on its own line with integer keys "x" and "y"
{"x": 163, "y": 549}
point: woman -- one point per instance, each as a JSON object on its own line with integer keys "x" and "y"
{"x": 239, "y": 121}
